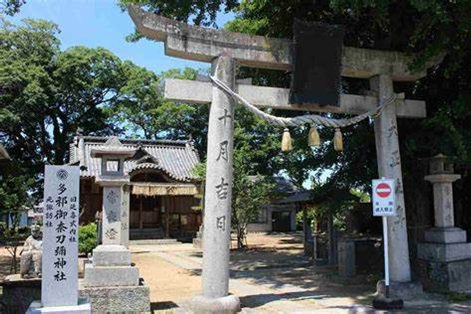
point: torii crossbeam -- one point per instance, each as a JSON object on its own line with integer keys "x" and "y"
{"x": 226, "y": 49}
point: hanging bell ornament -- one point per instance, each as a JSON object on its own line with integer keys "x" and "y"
{"x": 313, "y": 138}
{"x": 338, "y": 140}
{"x": 286, "y": 144}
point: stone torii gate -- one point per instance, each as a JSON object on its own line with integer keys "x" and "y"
{"x": 224, "y": 50}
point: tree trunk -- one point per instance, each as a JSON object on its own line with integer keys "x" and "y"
{"x": 14, "y": 262}
{"x": 240, "y": 244}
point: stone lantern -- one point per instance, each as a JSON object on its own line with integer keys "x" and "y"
{"x": 442, "y": 176}
{"x": 113, "y": 180}
{"x": 110, "y": 280}
{"x": 445, "y": 255}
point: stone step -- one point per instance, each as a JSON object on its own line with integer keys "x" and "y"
{"x": 144, "y": 234}
{"x": 154, "y": 242}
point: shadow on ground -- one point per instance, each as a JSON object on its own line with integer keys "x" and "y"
{"x": 160, "y": 306}
{"x": 291, "y": 275}
{"x": 258, "y": 300}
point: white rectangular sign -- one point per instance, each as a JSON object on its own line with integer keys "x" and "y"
{"x": 384, "y": 200}
{"x": 60, "y": 236}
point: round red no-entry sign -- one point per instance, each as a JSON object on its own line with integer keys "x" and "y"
{"x": 383, "y": 190}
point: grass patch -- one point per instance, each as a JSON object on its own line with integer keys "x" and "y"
{"x": 455, "y": 297}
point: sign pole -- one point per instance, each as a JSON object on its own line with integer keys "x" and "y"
{"x": 386, "y": 254}
{"x": 384, "y": 205}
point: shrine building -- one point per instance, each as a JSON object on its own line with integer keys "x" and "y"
{"x": 162, "y": 186}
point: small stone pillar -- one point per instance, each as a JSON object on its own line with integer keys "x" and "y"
{"x": 111, "y": 281}
{"x": 347, "y": 257}
{"x": 125, "y": 204}
{"x": 445, "y": 255}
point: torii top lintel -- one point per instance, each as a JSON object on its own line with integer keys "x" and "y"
{"x": 204, "y": 44}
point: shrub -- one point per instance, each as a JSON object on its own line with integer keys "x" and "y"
{"x": 87, "y": 238}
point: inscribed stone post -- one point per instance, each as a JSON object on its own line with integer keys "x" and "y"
{"x": 112, "y": 203}
{"x": 60, "y": 236}
{"x": 125, "y": 216}
{"x": 217, "y": 218}
{"x": 389, "y": 166}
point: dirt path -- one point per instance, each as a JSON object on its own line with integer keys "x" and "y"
{"x": 272, "y": 277}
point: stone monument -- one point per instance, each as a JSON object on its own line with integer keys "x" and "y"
{"x": 111, "y": 281}
{"x": 59, "y": 268}
{"x": 31, "y": 255}
{"x": 445, "y": 256}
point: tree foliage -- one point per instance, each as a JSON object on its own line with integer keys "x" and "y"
{"x": 199, "y": 12}
{"x": 47, "y": 95}
{"x": 11, "y": 7}
{"x": 87, "y": 238}
{"x": 14, "y": 202}
{"x": 249, "y": 195}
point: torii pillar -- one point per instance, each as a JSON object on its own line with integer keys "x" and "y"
{"x": 208, "y": 45}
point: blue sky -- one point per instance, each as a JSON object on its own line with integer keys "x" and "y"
{"x": 95, "y": 23}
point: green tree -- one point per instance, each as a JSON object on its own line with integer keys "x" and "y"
{"x": 87, "y": 238}
{"x": 47, "y": 95}
{"x": 249, "y": 194}
{"x": 14, "y": 202}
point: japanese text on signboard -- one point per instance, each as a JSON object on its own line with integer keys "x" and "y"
{"x": 384, "y": 200}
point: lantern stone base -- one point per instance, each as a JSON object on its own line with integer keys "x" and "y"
{"x": 444, "y": 252}
{"x": 112, "y": 283}
{"x": 83, "y": 307}
{"x": 445, "y": 235}
{"x": 445, "y": 276}
{"x": 111, "y": 266}
{"x": 106, "y": 276}
{"x": 445, "y": 266}
{"x": 202, "y": 305}
{"x": 111, "y": 255}
{"x": 129, "y": 299}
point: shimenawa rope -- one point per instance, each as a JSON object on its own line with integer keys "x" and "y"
{"x": 305, "y": 119}
{"x": 313, "y": 120}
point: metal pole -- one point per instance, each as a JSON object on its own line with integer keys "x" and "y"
{"x": 386, "y": 254}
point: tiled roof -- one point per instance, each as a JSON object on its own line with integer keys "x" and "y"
{"x": 175, "y": 158}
